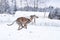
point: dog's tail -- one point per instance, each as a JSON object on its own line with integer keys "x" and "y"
{"x": 11, "y": 23}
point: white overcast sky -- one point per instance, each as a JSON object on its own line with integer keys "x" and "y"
{"x": 55, "y": 3}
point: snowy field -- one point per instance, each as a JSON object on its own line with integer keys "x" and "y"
{"x": 43, "y": 29}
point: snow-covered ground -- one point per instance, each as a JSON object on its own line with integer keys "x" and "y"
{"x": 43, "y": 29}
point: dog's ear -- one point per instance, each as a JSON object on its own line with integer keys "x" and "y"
{"x": 32, "y": 15}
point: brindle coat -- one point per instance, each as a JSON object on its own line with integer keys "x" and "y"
{"x": 22, "y": 21}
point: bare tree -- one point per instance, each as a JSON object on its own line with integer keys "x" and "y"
{"x": 35, "y": 5}
{"x": 15, "y": 5}
{"x": 43, "y": 2}
{"x": 27, "y": 2}
{"x": 4, "y": 6}
{"x": 27, "y": 5}
{"x": 21, "y": 4}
